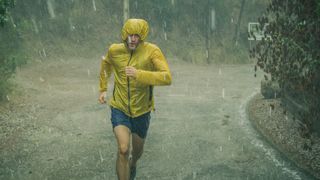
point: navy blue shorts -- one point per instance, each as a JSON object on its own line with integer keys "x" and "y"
{"x": 138, "y": 125}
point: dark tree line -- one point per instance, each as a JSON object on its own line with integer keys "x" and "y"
{"x": 7, "y": 62}
{"x": 5, "y": 5}
{"x": 290, "y": 53}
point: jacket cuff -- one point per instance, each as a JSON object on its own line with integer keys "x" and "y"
{"x": 103, "y": 90}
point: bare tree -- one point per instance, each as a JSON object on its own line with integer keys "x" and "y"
{"x": 125, "y": 10}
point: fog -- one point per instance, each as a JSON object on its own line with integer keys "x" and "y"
{"x": 52, "y": 126}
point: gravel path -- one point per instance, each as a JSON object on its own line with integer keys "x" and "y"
{"x": 283, "y": 130}
{"x": 53, "y": 127}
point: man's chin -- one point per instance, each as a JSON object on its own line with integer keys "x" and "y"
{"x": 133, "y": 47}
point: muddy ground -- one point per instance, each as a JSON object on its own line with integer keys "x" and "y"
{"x": 53, "y": 127}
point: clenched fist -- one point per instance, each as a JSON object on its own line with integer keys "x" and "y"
{"x": 102, "y": 97}
{"x": 131, "y": 71}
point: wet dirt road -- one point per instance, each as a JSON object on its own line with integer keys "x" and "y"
{"x": 198, "y": 131}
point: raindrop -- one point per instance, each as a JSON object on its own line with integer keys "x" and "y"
{"x": 172, "y": 2}
{"x": 93, "y": 90}
{"x": 40, "y": 54}
{"x": 213, "y": 19}
{"x": 35, "y": 25}
{"x": 194, "y": 175}
{"x": 101, "y": 158}
{"x": 222, "y": 92}
{"x": 220, "y": 71}
{"x": 220, "y": 148}
{"x": 50, "y": 8}
{"x": 8, "y": 98}
{"x": 229, "y": 138}
{"x": 241, "y": 122}
{"x": 275, "y": 95}
{"x": 136, "y": 4}
{"x": 44, "y": 52}
{"x": 94, "y": 5}
{"x": 270, "y": 110}
{"x": 165, "y": 36}
{"x": 41, "y": 79}
{"x": 12, "y": 21}
{"x": 11, "y": 171}
{"x": 88, "y": 71}
{"x": 72, "y": 27}
{"x": 207, "y": 53}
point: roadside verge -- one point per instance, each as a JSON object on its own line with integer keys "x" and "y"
{"x": 282, "y": 130}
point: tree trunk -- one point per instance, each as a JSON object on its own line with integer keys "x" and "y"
{"x": 208, "y": 31}
{"x": 236, "y": 36}
{"x": 125, "y": 10}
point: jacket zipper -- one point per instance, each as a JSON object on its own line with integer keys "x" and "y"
{"x": 128, "y": 81}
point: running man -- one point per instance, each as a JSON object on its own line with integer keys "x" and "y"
{"x": 137, "y": 67}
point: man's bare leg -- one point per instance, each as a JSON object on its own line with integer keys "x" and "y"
{"x": 122, "y": 134}
{"x": 137, "y": 149}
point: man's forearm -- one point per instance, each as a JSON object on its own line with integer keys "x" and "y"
{"x": 157, "y": 78}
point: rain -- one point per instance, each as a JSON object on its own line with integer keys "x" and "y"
{"x": 242, "y": 104}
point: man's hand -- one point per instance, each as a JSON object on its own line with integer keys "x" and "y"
{"x": 131, "y": 71}
{"x": 102, "y": 97}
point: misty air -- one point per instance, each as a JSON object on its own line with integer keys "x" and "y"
{"x": 159, "y": 90}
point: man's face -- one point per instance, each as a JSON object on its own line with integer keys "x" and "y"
{"x": 133, "y": 41}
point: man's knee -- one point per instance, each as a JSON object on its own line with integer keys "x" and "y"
{"x": 124, "y": 149}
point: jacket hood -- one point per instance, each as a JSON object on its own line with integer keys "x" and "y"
{"x": 135, "y": 26}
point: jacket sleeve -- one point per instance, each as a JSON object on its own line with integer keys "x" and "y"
{"x": 105, "y": 72}
{"x": 161, "y": 75}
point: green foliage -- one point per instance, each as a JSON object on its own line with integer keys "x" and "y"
{"x": 318, "y": 8}
{"x": 4, "y": 10}
{"x": 292, "y": 55}
{"x": 10, "y": 56}
{"x": 7, "y": 67}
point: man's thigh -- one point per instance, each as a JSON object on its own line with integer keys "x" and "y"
{"x": 122, "y": 134}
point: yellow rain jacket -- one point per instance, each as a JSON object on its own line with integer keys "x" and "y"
{"x": 134, "y": 96}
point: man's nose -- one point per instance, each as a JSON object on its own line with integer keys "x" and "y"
{"x": 134, "y": 37}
